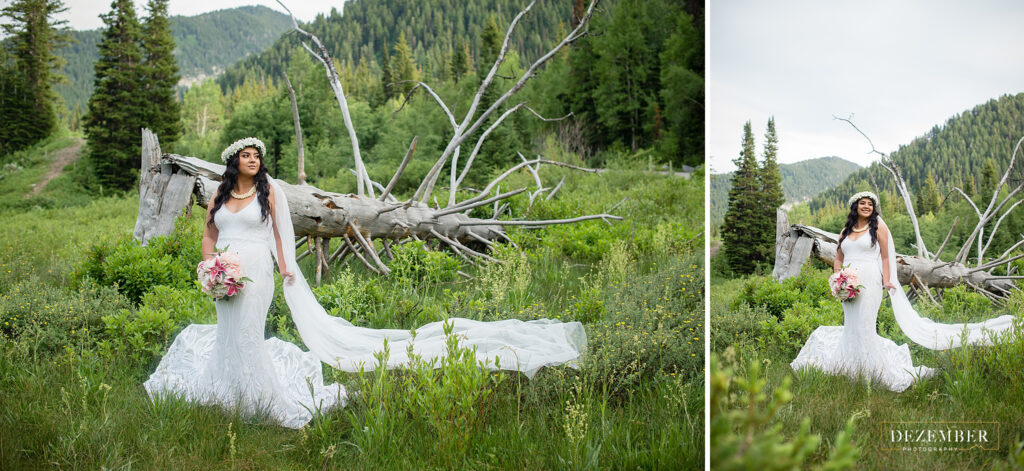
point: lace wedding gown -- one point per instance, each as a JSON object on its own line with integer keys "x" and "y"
{"x": 855, "y": 348}
{"x": 231, "y": 364}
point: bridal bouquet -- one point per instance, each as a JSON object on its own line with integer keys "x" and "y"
{"x": 845, "y": 284}
{"x": 221, "y": 275}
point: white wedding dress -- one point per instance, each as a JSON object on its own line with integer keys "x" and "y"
{"x": 855, "y": 349}
{"x": 232, "y": 365}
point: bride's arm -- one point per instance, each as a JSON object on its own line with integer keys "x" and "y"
{"x": 837, "y": 264}
{"x": 210, "y": 231}
{"x": 883, "y": 247}
{"x": 281, "y": 267}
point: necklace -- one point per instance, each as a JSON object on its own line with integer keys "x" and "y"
{"x": 854, "y": 229}
{"x": 245, "y": 195}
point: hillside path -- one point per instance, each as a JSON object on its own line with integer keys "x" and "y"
{"x": 64, "y": 157}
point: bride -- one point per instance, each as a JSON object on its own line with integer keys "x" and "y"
{"x": 855, "y": 348}
{"x": 231, "y": 364}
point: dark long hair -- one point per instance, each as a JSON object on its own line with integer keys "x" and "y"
{"x": 851, "y": 221}
{"x": 229, "y": 181}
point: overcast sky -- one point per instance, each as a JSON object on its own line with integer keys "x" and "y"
{"x": 899, "y": 67}
{"x": 84, "y": 14}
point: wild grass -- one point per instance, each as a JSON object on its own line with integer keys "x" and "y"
{"x": 76, "y": 349}
{"x": 974, "y": 384}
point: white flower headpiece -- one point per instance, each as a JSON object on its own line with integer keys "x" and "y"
{"x": 242, "y": 144}
{"x": 863, "y": 194}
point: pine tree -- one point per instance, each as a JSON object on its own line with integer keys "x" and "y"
{"x": 772, "y": 195}
{"x": 625, "y": 68}
{"x": 989, "y": 179}
{"x": 161, "y": 74}
{"x": 971, "y": 188}
{"x": 402, "y": 67}
{"x": 112, "y": 123}
{"x": 738, "y": 245}
{"x": 460, "y": 60}
{"x": 387, "y": 78}
{"x": 930, "y": 194}
{"x": 28, "y": 110}
{"x": 682, "y": 92}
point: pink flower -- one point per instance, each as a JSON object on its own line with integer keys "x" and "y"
{"x": 221, "y": 275}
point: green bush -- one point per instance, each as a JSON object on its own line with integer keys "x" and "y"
{"x": 653, "y": 326}
{"x": 964, "y": 303}
{"x": 135, "y": 269}
{"x": 740, "y": 327}
{"x": 350, "y": 297}
{"x": 450, "y": 397}
{"x": 43, "y": 318}
{"x": 777, "y": 297}
{"x": 415, "y": 264}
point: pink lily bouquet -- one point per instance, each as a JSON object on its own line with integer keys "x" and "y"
{"x": 221, "y": 275}
{"x": 845, "y": 284}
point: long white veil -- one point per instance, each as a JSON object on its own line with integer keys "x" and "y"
{"x": 518, "y": 345}
{"x": 931, "y": 334}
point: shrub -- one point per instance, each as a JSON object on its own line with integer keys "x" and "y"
{"x": 776, "y": 297}
{"x": 414, "y": 264}
{"x": 963, "y": 303}
{"x": 350, "y": 297}
{"x": 45, "y": 319}
{"x": 653, "y": 325}
{"x": 450, "y": 397}
{"x": 135, "y": 269}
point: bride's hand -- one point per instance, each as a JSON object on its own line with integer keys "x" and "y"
{"x": 888, "y": 285}
{"x": 286, "y": 275}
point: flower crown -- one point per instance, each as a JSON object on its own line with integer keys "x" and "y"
{"x": 863, "y": 194}
{"x": 242, "y": 144}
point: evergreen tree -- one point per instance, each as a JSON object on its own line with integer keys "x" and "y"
{"x": 738, "y": 244}
{"x": 989, "y": 179}
{"x": 112, "y": 123}
{"x": 460, "y": 60}
{"x": 920, "y": 202}
{"x": 625, "y": 68}
{"x": 490, "y": 46}
{"x": 932, "y": 198}
{"x": 28, "y": 107}
{"x": 160, "y": 70}
{"x": 402, "y": 67}
{"x": 388, "y": 90}
{"x": 682, "y": 92}
{"x": 971, "y": 188}
{"x": 772, "y": 195}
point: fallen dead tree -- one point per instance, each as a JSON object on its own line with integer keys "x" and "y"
{"x": 368, "y": 224}
{"x": 797, "y": 243}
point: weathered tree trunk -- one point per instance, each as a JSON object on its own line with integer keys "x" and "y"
{"x": 162, "y": 192}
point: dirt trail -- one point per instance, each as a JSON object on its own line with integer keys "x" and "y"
{"x": 64, "y": 157}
